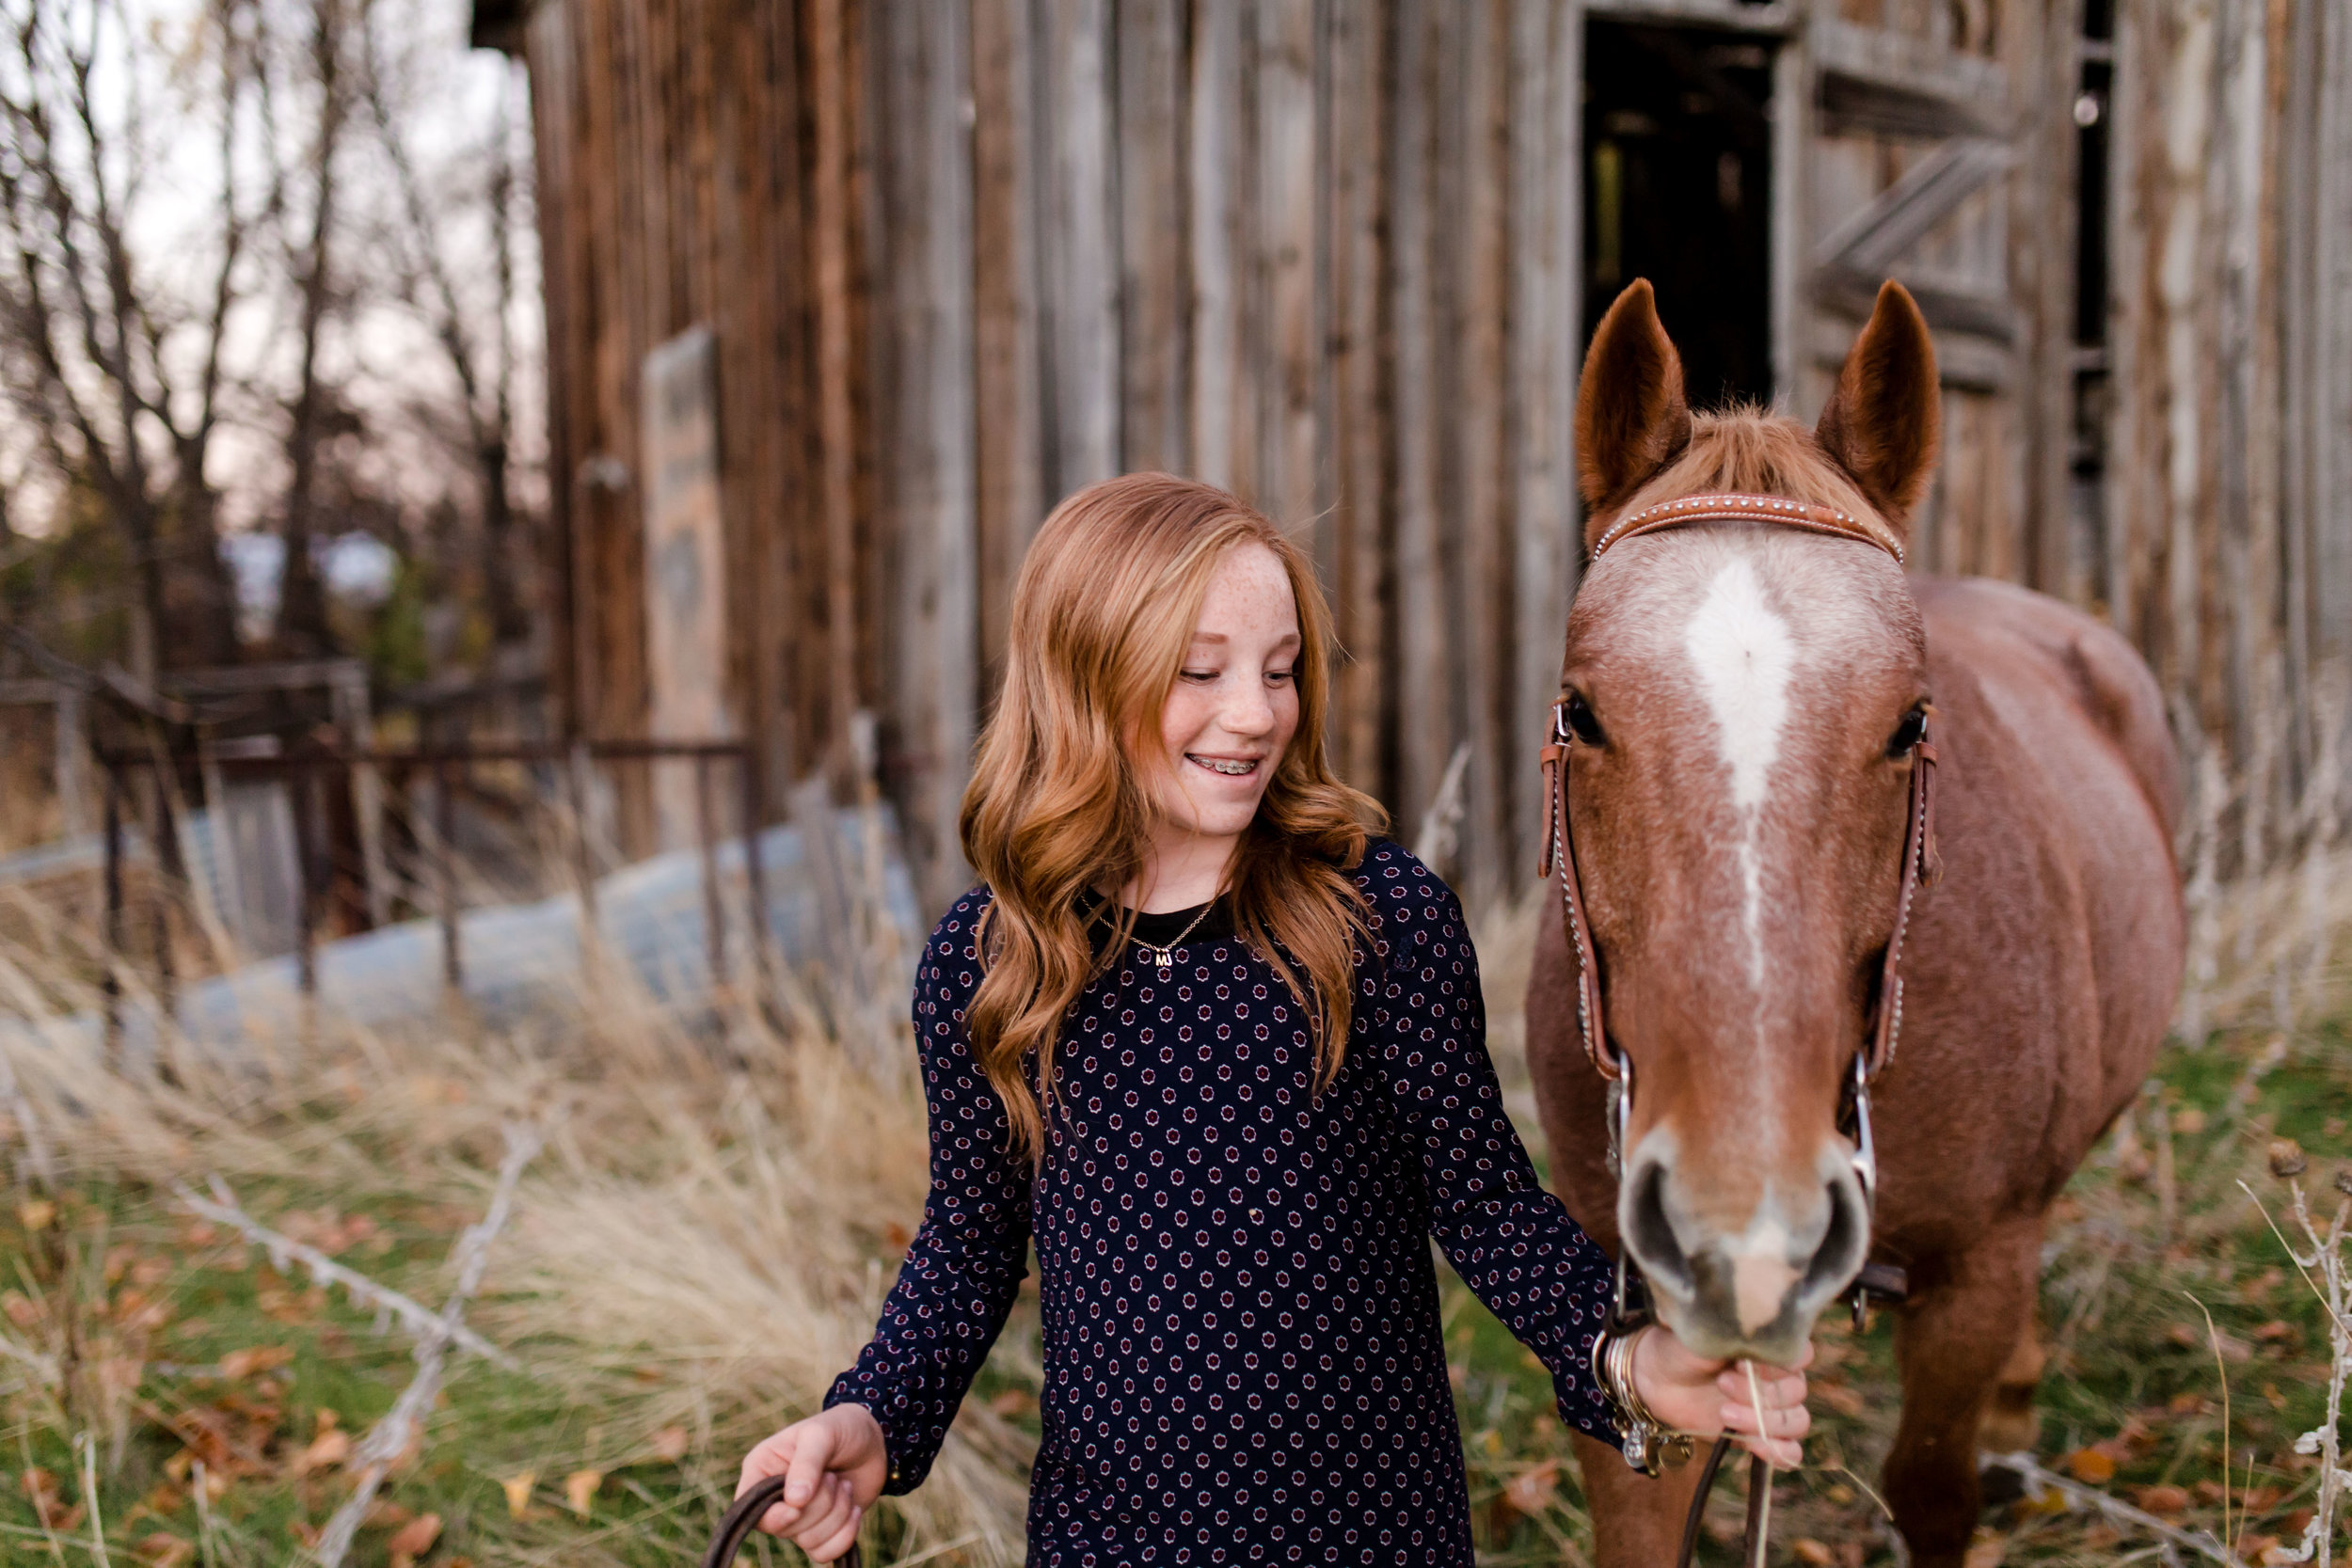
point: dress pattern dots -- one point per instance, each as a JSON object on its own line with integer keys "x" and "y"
{"x": 1242, "y": 1351}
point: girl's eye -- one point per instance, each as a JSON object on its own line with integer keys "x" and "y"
{"x": 1278, "y": 674}
{"x": 1199, "y": 676}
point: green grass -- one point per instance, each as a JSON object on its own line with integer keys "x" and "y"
{"x": 157, "y": 1319}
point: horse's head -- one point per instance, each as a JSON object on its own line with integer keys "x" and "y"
{"x": 1745, "y": 699}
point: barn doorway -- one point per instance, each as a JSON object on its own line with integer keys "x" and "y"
{"x": 1678, "y": 189}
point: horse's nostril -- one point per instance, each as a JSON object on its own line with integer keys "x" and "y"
{"x": 1650, "y": 1234}
{"x": 1844, "y": 1246}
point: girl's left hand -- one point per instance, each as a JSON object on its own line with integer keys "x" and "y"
{"x": 1691, "y": 1393}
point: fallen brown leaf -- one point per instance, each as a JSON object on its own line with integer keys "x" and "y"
{"x": 518, "y": 1493}
{"x": 580, "y": 1487}
{"x": 163, "y": 1550}
{"x": 2162, "y": 1500}
{"x": 1814, "y": 1552}
{"x": 1531, "y": 1491}
{"x": 327, "y": 1450}
{"x": 238, "y": 1365}
{"x": 40, "y": 1490}
{"x": 2090, "y": 1465}
{"x": 1986, "y": 1551}
{"x": 669, "y": 1443}
{"x": 413, "y": 1538}
{"x": 36, "y": 1213}
{"x": 1846, "y": 1402}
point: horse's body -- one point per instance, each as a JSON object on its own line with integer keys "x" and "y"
{"x": 2039, "y": 975}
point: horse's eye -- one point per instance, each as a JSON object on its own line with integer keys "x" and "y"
{"x": 1581, "y": 720}
{"x": 1912, "y": 730}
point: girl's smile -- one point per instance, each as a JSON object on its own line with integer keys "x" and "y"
{"x": 1228, "y": 721}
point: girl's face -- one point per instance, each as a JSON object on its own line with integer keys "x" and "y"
{"x": 1234, "y": 706}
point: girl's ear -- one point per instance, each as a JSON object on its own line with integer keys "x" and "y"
{"x": 1631, "y": 419}
{"x": 1885, "y": 419}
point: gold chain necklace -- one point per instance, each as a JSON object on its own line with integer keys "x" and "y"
{"x": 1164, "y": 958}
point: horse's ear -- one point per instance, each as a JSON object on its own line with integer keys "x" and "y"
{"x": 1631, "y": 417}
{"x": 1885, "y": 418}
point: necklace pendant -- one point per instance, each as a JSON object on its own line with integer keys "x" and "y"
{"x": 1164, "y": 958}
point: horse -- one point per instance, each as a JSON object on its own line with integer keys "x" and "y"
{"x": 1745, "y": 712}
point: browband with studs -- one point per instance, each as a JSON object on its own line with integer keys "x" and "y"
{"x": 1731, "y": 508}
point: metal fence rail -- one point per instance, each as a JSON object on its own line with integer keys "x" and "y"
{"x": 447, "y": 765}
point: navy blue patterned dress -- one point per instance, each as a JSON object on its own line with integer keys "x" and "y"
{"x": 1243, "y": 1357}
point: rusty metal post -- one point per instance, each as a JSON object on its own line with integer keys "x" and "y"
{"x": 584, "y": 848}
{"x": 114, "y": 914}
{"x": 445, "y": 830}
{"x": 306, "y": 883}
{"x": 706, "y": 841}
{"x": 754, "y": 874}
{"x": 171, "y": 879}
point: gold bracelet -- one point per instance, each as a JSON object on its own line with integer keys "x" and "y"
{"x": 1645, "y": 1440}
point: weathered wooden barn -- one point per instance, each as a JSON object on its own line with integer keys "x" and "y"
{"x": 843, "y": 295}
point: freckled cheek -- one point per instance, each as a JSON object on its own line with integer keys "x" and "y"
{"x": 1187, "y": 713}
{"x": 1285, "y": 719}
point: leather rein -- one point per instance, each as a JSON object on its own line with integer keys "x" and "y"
{"x": 1629, "y": 1309}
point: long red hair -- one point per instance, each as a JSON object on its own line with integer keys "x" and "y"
{"x": 1059, "y": 800}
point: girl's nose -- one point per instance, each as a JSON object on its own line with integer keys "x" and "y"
{"x": 1250, "y": 711}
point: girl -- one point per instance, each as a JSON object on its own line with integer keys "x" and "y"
{"x": 1221, "y": 1051}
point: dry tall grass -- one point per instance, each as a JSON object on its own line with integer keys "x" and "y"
{"x": 703, "y": 1246}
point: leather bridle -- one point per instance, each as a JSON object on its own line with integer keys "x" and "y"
{"x": 1920, "y": 867}
{"x": 1919, "y": 860}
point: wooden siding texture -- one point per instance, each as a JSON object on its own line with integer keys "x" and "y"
{"x": 960, "y": 258}
{"x": 2227, "y": 547}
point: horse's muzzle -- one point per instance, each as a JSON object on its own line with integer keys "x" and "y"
{"x": 1753, "y": 1291}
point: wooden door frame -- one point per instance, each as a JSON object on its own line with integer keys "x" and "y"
{"x": 1782, "y": 22}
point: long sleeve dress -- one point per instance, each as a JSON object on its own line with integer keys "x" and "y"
{"x": 1242, "y": 1350}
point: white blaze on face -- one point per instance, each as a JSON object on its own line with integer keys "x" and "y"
{"x": 1744, "y": 654}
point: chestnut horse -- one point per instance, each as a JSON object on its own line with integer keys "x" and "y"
{"x": 1744, "y": 702}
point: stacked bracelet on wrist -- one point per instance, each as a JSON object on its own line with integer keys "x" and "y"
{"x": 1645, "y": 1440}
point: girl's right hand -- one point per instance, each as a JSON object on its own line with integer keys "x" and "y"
{"x": 835, "y": 1465}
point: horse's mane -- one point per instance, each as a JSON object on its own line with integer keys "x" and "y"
{"x": 1753, "y": 451}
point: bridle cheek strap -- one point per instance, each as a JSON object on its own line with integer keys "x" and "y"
{"x": 1922, "y": 868}
{"x": 1559, "y": 849}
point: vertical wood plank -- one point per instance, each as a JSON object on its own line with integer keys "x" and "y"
{"x": 833, "y": 75}
{"x": 1221, "y": 139}
{"x": 1155, "y": 351}
{"x": 2325, "y": 404}
{"x": 1793, "y": 199}
{"x": 1078, "y": 244}
{"x": 1546, "y": 66}
{"x": 1008, "y": 366}
{"x": 1356, "y": 98}
{"x": 1425, "y": 727}
{"x": 2043, "y": 68}
{"x": 558, "y": 136}
{"x": 1478, "y": 501}
{"x": 926, "y": 403}
{"x": 1290, "y": 347}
